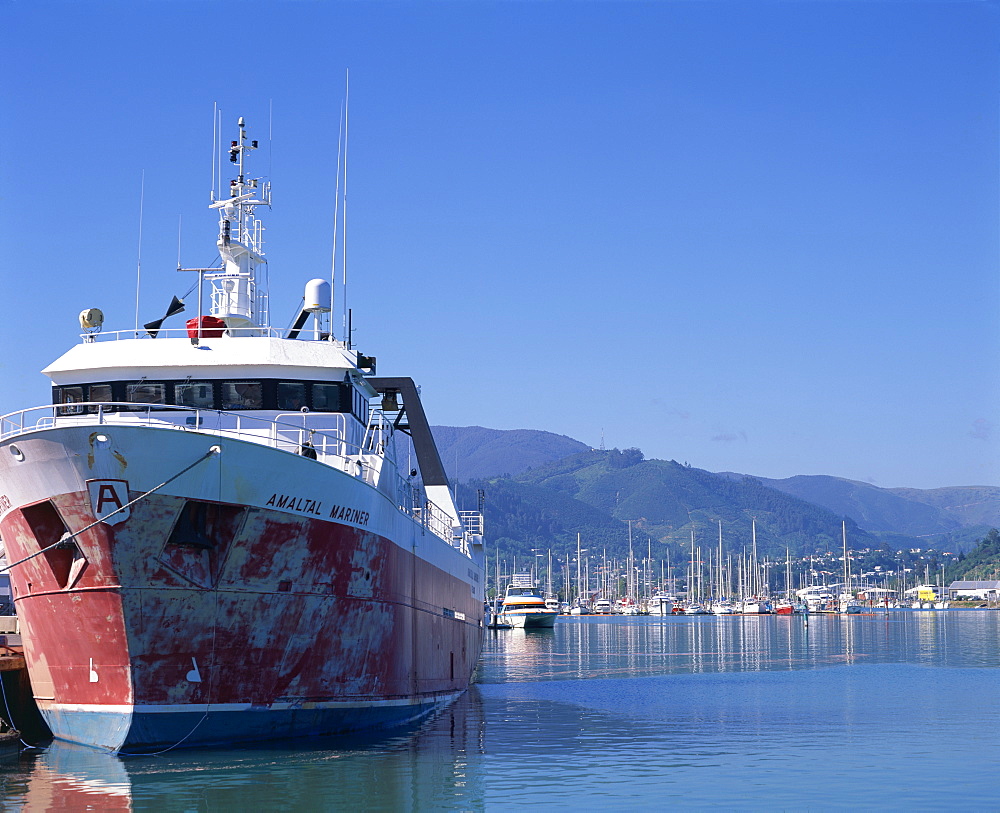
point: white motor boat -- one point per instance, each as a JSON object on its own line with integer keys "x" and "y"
{"x": 523, "y": 606}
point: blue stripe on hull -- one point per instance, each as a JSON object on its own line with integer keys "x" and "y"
{"x": 150, "y": 731}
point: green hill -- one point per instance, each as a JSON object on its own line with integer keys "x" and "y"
{"x": 596, "y": 493}
{"x": 542, "y": 489}
{"x": 982, "y": 563}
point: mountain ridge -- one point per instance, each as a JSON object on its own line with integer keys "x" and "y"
{"x": 554, "y": 484}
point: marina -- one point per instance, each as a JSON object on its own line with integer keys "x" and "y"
{"x": 734, "y": 712}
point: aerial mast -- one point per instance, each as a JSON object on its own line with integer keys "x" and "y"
{"x": 236, "y": 297}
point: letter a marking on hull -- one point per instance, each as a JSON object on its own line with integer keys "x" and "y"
{"x": 106, "y": 498}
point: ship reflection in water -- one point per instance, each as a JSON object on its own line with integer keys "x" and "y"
{"x": 875, "y": 712}
{"x": 432, "y": 768}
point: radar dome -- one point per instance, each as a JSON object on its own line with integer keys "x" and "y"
{"x": 317, "y": 296}
{"x": 91, "y": 318}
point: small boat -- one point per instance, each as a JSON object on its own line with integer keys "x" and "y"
{"x": 602, "y": 607}
{"x": 722, "y": 608}
{"x": 629, "y": 607}
{"x": 695, "y": 609}
{"x": 523, "y": 606}
{"x": 850, "y": 605}
{"x": 661, "y": 604}
{"x": 814, "y": 599}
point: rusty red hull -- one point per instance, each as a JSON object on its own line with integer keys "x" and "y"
{"x": 311, "y": 606}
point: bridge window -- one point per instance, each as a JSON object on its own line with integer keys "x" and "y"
{"x": 291, "y": 395}
{"x": 198, "y": 394}
{"x": 260, "y": 394}
{"x": 242, "y": 395}
{"x": 101, "y": 393}
{"x": 146, "y": 392}
{"x": 68, "y": 396}
{"x": 360, "y": 407}
{"x": 328, "y": 398}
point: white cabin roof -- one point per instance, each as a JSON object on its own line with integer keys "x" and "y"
{"x": 224, "y": 357}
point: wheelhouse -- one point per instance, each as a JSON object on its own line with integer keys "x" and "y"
{"x": 228, "y": 394}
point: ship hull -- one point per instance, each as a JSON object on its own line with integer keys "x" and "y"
{"x": 259, "y": 595}
{"x": 163, "y": 727}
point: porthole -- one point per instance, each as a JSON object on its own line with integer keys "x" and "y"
{"x": 18, "y": 454}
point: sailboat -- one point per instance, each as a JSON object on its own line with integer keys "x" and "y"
{"x": 848, "y": 604}
{"x": 580, "y": 606}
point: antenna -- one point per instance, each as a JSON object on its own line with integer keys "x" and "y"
{"x": 347, "y": 107}
{"x": 336, "y": 219}
{"x": 218, "y": 151}
{"x": 215, "y": 141}
{"x": 179, "y": 221}
{"x": 138, "y": 260}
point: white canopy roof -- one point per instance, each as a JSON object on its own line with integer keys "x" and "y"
{"x": 224, "y": 357}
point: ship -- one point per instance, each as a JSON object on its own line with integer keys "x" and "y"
{"x": 214, "y": 533}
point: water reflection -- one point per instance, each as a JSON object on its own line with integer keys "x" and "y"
{"x": 436, "y": 767}
{"x": 744, "y": 712}
{"x": 618, "y": 646}
{"x": 740, "y": 711}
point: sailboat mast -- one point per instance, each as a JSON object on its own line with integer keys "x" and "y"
{"x": 631, "y": 575}
{"x": 721, "y": 591}
{"x": 847, "y": 566}
{"x": 578, "y": 594}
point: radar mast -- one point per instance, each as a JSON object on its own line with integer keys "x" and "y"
{"x": 237, "y": 297}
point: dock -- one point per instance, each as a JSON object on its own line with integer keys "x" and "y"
{"x": 17, "y": 701}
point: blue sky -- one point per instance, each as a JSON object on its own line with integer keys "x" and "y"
{"x": 752, "y": 236}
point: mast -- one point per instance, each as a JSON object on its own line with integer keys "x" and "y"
{"x": 578, "y": 593}
{"x": 788, "y": 573}
{"x": 236, "y": 296}
{"x": 721, "y": 590}
{"x": 629, "y": 583}
{"x": 847, "y": 566}
{"x": 648, "y": 574}
{"x": 692, "y": 578}
{"x": 548, "y": 574}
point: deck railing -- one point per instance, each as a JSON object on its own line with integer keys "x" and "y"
{"x": 182, "y": 333}
{"x": 472, "y": 521}
{"x": 320, "y": 434}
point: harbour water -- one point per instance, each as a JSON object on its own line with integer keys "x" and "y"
{"x": 889, "y": 711}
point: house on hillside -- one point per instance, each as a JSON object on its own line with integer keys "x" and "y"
{"x": 984, "y": 591}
